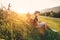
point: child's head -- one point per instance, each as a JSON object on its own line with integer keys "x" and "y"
{"x": 37, "y": 13}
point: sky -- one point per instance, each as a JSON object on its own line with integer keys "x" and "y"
{"x": 24, "y": 6}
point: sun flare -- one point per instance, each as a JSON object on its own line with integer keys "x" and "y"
{"x": 24, "y": 6}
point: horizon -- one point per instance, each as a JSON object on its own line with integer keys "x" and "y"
{"x": 25, "y": 6}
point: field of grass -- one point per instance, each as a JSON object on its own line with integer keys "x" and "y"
{"x": 15, "y": 27}
{"x": 53, "y": 23}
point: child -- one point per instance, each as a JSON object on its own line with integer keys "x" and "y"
{"x": 35, "y": 20}
{"x": 40, "y": 26}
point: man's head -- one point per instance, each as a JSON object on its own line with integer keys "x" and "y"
{"x": 37, "y": 13}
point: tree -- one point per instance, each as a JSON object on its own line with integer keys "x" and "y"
{"x": 57, "y": 14}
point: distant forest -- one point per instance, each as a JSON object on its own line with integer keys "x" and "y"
{"x": 51, "y": 14}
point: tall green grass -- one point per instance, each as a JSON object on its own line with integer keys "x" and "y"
{"x": 15, "y": 27}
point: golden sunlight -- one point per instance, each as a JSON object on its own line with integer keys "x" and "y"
{"x": 24, "y": 6}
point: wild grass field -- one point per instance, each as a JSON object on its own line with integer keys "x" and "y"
{"x": 15, "y": 27}
{"x": 53, "y": 23}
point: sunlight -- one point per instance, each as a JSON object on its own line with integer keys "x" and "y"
{"x": 24, "y": 6}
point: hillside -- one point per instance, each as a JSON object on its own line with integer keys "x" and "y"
{"x": 14, "y": 27}
{"x": 55, "y": 9}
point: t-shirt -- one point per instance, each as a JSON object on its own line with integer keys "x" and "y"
{"x": 35, "y": 19}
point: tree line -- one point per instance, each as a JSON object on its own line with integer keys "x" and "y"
{"x": 51, "y": 14}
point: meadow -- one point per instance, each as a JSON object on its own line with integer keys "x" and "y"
{"x": 15, "y": 27}
{"x": 53, "y": 23}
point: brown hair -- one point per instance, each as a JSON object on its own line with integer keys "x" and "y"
{"x": 36, "y": 12}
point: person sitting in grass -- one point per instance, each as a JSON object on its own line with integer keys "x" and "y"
{"x": 40, "y": 26}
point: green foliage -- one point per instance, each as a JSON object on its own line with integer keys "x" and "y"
{"x": 52, "y": 14}
{"x": 57, "y": 15}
